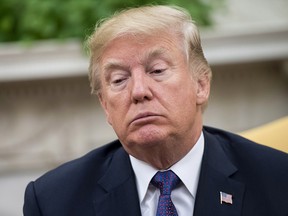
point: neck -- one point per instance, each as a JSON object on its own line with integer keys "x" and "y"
{"x": 164, "y": 155}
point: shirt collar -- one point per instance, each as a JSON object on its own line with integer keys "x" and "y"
{"x": 187, "y": 169}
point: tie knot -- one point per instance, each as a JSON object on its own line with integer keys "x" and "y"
{"x": 165, "y": 181}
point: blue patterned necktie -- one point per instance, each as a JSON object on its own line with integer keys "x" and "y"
{"x": 166, "y": 182}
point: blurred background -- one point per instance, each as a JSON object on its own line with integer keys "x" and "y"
{"x": 48, "y": 116}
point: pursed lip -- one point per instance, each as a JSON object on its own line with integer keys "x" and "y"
{"x": 143, "y": 116}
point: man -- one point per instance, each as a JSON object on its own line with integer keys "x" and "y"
{"x": 149, "y": 72}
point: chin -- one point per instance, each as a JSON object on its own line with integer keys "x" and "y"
{"x": 146, "y": 138}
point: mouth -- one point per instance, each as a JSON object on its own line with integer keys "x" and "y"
{"x": 144, "y": 117}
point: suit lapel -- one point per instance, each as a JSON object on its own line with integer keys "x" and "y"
{"x": 121, "y": 197}
{"x": 216, "y": 176}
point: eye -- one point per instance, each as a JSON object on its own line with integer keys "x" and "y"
{"x": 157, "y": 67}
{"x": 117, "y": 80}
{"x": 157, "y": 71}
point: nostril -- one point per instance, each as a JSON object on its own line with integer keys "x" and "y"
{"x": 141, "y": 94}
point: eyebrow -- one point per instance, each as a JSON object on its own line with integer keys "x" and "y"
{"x": 113, "y": 64}
{"x": 156, "y": 52}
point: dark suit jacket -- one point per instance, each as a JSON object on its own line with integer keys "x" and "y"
{"x": 102, "y": 183}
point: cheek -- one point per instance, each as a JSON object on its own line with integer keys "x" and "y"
{"x": 186, "y": 102}
{"x": 116, "y": 109}
{"x": 185, "y": 92}
{"x": 107, "y": 105}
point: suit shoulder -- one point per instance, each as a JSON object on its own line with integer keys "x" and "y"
{"x": 95, "y": 161}
{"x": 248, "y": 151}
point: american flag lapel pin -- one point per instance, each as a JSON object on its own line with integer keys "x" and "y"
{"x": 225, "y": 198}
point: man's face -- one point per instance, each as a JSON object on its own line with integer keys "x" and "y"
{"x": 148, "y": 93}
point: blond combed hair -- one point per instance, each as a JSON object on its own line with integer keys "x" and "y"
{"x": 145, "y": 21}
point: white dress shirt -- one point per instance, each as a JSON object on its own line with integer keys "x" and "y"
{"x": 183, "y": 197}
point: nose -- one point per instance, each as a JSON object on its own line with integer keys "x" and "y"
{"x": 140, "y": 88}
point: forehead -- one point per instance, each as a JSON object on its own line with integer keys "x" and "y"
{"x": 140, "y": 47}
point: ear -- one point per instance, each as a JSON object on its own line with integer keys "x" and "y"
{"x": 104, "y": 105}
{"x": 203, "y": 90}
